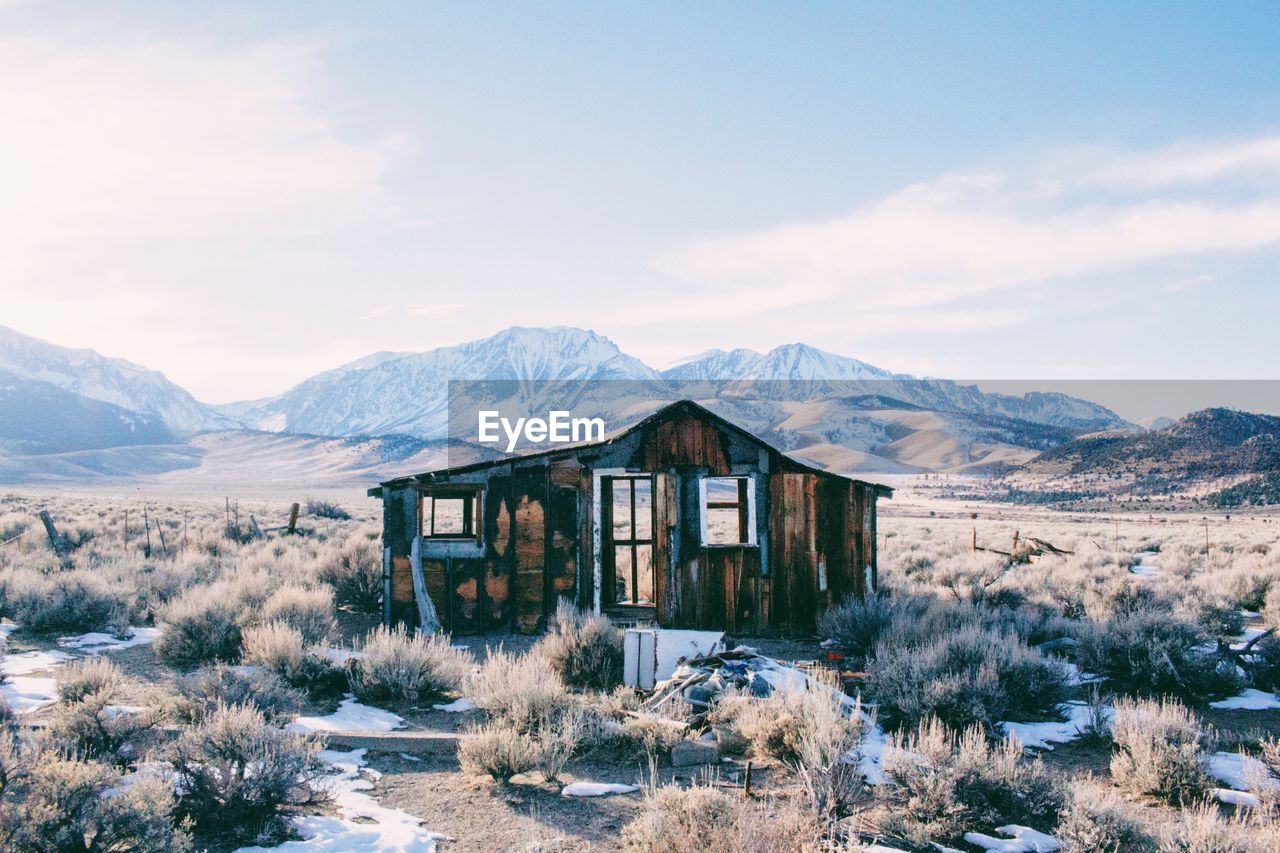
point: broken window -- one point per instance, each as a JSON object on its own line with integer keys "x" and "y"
{"x": 451, "y": 514}
{"x": 728, "y": 511}
{"x": 628, "y": 549}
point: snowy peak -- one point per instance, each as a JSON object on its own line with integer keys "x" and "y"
{"x": 88, "y": 374}
{"x": 797, "y": 362}
{"x": 408, "y": 392}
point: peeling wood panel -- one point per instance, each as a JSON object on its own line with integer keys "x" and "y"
{"x": 401, "y": 580}
{"x": 529, "y": 549}
{"x": 667, "y": 594}
{"x": 562, "y": 546}
{"x": 497, "y": 561}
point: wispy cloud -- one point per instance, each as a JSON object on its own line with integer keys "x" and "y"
{"x": 431, "y": 311}
{"x": 967, "y": 236}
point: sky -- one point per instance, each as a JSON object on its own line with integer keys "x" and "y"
{"x": 242, "y": 195}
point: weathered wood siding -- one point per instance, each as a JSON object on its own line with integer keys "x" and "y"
{"x": 815, "y": 536}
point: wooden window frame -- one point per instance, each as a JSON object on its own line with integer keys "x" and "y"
{"x": 609, "y": 543}
{"x": 745, "y": 504}
{"x": 472, "y": 513}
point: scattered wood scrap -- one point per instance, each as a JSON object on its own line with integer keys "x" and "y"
{"x": 1022, "y": 550}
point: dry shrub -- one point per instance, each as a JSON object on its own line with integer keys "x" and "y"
{"x": 203, "y": 690}
{"x": 520, "y": 689}
{"x": 237, "y": 774}
{"x": 398, "y": 668}
{"x": 558, "y": 735}
{"x": 95, "y": 728}
{"x": 1201, "y": 828}
{"x": 70, "y": 602}
{"x": 586, "y": 650}
{"x": 857, "y": 624}
{"x": 815, "y": 733}
{"x": 1159, "y": 750}
{"x": 1097, "y": 821}
{"x": 54, "y": 803}
{"x": 326, "y": 509}
{"x": 499, "y": 750}
{"x": 87, "y": 676}
{"x": 1153, "y": 653}
{"x": 354, "y": 570}
{"x": 941, "y": 785}
{"x": 972, "y": 676}
{"x": 200, "y": 626}
{"x": 705, "y": 819}
{"x": 282, "y": 649}
{"x": 308, "y": 611}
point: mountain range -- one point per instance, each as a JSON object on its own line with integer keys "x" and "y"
{"x": 833, "y": 410}
{"x": 1216, "y": 449}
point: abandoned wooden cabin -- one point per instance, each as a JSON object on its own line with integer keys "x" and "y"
{"x": 685, "y": 519}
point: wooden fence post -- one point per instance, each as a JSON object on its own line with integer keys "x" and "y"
{"x": 55, "y": 539}
{"x": 293, "y": 518}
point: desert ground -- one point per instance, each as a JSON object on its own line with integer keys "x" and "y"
{"x": 1101, "y": 682}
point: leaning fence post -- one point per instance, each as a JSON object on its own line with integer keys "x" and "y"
{"x": 293, "y": 518}
{"x": 55, "y": 539}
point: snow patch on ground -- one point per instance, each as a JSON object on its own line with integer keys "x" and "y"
{"x": 1022, "y": 839}
{"x": 26, "y": 663}
{"x": 96, "y": 642}
{"x": 1236, "y": 798}
{"x": 1249, "y": 700}
{"x": 339, "y": 657}
{"x": 596, "y": 789}
{"x": 457, "y": 706}
{"x": 1076, "y": 678}
{"x": 351, "y": 716}
{"x": 27, "y": 693}
{"x": 1044, "y": 735}
{"x": 1239, "y": 770}
{"x": 364, "y": 826}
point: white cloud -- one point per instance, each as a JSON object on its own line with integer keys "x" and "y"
{"x": 917, "y": 249}
{"x": 1183, "y": 164}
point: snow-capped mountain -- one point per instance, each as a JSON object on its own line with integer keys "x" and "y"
{"x": 790, "y": 361}
{"x": 801, "y": 372}
{"x": 39, "y": 417}
{"x": 88, "y": 374}
{"x": 408, "y": 392}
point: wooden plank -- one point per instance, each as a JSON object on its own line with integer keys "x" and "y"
{"x": 497, "y": 562}
{"x": 529, "y": 550}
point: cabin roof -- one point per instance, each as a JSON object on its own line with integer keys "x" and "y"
{"x": 667, "y": 411}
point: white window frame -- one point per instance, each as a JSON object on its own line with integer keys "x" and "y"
{"x": 751, "y": 511}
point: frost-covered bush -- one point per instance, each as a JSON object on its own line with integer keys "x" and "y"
{"x": 203, "y": 690}
{"x": 397, "y": 668}
{"x": 237, "y": 774}
{"x": 586, "y": 650}
{"x": 1159, "y": 750}
{"x": 200, "y": 626}
{"x": 972, "y": 676}
{"x": 521, "y": 689}
{"x": 308, "y": 611}
{"x": 942, "y": 785}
